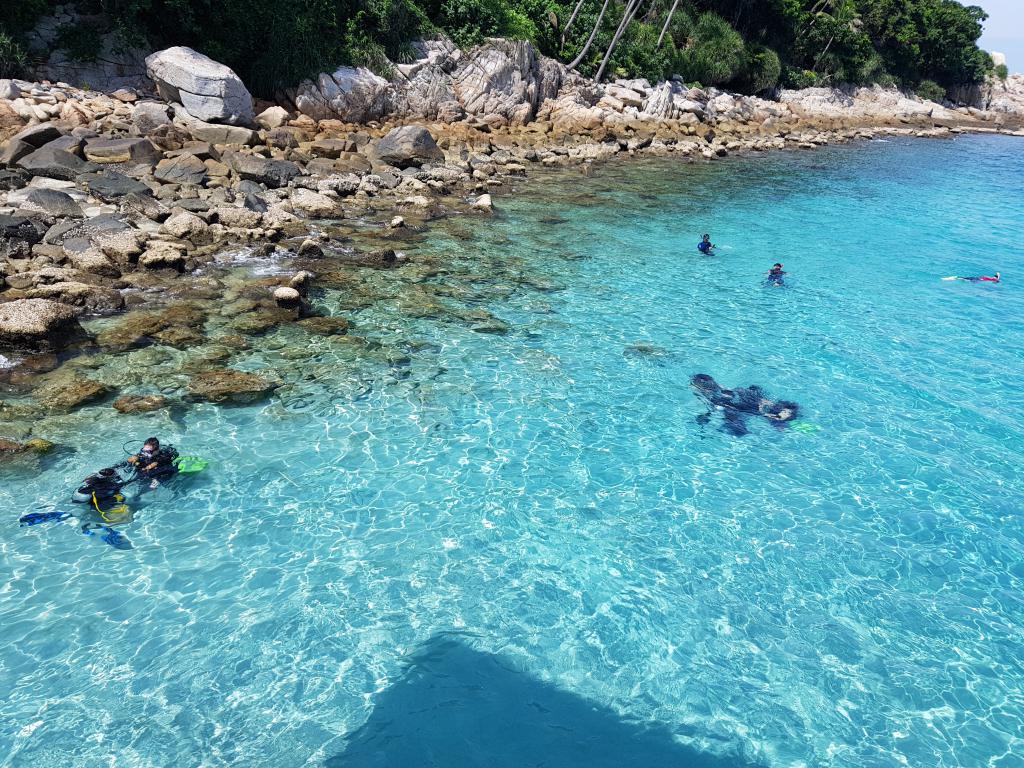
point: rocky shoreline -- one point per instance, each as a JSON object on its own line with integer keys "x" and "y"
{"x": 122, "y": 215}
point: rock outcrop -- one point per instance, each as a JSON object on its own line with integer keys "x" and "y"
{"x": 506, "y": 80}
{"x": 208, "y": 90}
{"x": 38, "y": 325}
{"x": 353, "y": 95}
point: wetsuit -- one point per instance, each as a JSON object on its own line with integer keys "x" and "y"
{"x": 704, "y": 247}
{"x": 983, "y": 279}
{"x": 104, "y": 489}
{"x": 163, "y": 458}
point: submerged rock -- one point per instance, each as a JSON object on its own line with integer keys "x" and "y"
{"x": 70, "y": 392}
{"x": 230, "y": 386}
{"x": 325, "y": 326}
{"x": 140, "y": 403}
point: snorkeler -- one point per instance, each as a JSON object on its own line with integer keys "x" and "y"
{"x": 737, "y": 404}
{"x": 154, "y": 463}
{"x": 705, "y": 246}
{"x": 775, "y": 275}
{"x": 982, "y": 279}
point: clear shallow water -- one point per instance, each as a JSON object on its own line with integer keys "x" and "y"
{"x": 524, "y": 550}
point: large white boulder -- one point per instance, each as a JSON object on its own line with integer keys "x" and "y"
{"x": 208, "y": 90}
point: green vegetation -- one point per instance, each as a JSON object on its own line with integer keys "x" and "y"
{"x": 929, "y": 89}
{"x": 747, "y": 45}
{"x": 1002, "y": 72}
{"x": 13, "y": 59}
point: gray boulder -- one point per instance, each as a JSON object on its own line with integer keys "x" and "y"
{"x": 52, "y": 202}
{"x": 182, "y": 169}
{"x": 12, "y": 179}
{"x": 130, "y": 150}
{"x": 17, "y": 236}
{"x": 37, "y": 135}
{"x": 147, "y": 116}
{"x": 69, "y": 143}
{"x": 55, "y": 163}
{"x": 208, "y": 90}
{"x": 38, "y": 325}
{"x": 273, "y": 173}
{"x": 14, "y": 150}
{"x": 111, "y": 185}
{"x": 9, "y": 90}
{"x": 410, "y": 145}
{"x": 212, "y": 132}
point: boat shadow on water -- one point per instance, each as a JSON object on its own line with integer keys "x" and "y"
{"x": 457, "y": 707}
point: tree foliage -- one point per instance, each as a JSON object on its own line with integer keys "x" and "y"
{"x": 750, "y": 45}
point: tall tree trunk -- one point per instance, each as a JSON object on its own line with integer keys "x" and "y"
{"x": 820, "y": 55}
{"x": 593, "y": 33}
{"x": 668, "y": 21}
{"x": 627, "y": 17}
{"x": 565, "y": 29}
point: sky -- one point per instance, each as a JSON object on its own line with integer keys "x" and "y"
{"x": 1004, "y": 30}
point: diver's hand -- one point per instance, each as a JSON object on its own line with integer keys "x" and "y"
{"x": 149, "y": 467}
{"x": 132, "y": 459}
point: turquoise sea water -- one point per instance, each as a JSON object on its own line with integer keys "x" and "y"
{"x": 524, "y": 550}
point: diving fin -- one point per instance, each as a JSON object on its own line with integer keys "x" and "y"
{"x": 114, "y": 538}
{"x": 35, "y": 518}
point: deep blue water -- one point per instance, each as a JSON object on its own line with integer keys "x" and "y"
{"x": 525, "y": 550}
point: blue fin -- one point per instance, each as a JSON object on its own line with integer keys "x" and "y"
{"x": 115, "y": 539}
{"x": 35, "y": 518}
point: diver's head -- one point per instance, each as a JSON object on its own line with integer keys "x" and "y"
{"x": 706, "y": 237}
{"x": 704, "y": 383}
{"x": 151, "y": 446}
{"x": 782, "y": 410}
{"x": 998, "y": 277}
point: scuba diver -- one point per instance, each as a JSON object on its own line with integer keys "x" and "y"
{"x": 738, "y": 404}
{"x": 982, "y": 279}
{"x": 153, "y": 463}
{"x": 102, "y": 493}
{"x": 775, "y": 275}
{"x": 705, "y": 246}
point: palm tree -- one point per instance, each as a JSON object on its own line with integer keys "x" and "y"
{"x": 668, "y": 20}
{"x": 845, "y": 17}
{"x": 593, "y": 33}
{"x": 627, "y": 16}
{"x": 572, "y": 18}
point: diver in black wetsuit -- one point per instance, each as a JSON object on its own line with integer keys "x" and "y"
{"x": 775, "y": 275}
{"x": 738, "y": 404}
{"x": 154, "y": 463}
